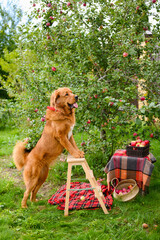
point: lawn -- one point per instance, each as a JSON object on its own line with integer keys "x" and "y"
{"x": 44, "y": 221}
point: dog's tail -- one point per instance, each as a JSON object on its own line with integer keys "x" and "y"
{"x": 20, "y": 154}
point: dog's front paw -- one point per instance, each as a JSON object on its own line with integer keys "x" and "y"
{"x": 81, "y": 154}
{"x": 76, "y": 155}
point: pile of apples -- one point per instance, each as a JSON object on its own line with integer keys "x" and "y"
{"x": 124, "y": 190}
{"x": 139, "y": 143}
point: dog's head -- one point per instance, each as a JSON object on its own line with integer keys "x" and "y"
{"x": 64, "y": 98}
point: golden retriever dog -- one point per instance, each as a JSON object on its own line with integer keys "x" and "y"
{"x": 57, "y": 135}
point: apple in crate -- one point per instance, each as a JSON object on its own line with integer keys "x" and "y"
{"x": 142, "y": 144}
{"x": 133, "y": 143}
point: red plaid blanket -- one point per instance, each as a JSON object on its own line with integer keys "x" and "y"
{"x": 83, "y": 199}
{"x": 122, "y": 167}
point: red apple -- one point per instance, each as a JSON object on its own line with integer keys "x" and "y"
{"x": 34, "y": 4}
{"x": 43, "y": 119}
{"x": 111, "y": 103}
{"x": 151, "y": 135}
{"x": 83, "y": 143}
{"x": 139, "y": 140}
{"x": 52, "y": 18}
{"x": 133, "y": 143}
{"x": 49, "y": 5}
{"x": 146, "y": 141}
{"x": 125, "y": 54}
{"x": 130, "y": 187}
{"x": 124, "y": 192}
{"x": 145, "y": 28}
{"x": 142, "y": 98}
{"x": 53, "y": 69}
{"x": 142, "y": 144}
{"x": 84, "y": 4}
{"x": 68, "y": 4}
{"x": 89, "y": 121}
{"x": 137, "y": 7}
{"x": 154, "y": 1}
{"x": 145, "y": 225}
{"x": 134, "y": 134}
{"x": 48, "y": 24}
{"x": 123, "y": 189}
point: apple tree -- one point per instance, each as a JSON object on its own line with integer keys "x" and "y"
{"x": 97, "y": 49}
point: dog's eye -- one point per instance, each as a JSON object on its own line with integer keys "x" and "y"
{"x": 66, "y": 94}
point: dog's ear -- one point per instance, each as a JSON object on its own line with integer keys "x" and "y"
{"x": 54, "y": 98}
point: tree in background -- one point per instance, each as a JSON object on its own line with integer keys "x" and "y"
{"x": 95, "y": 48}
{"x": 9, "y": 18}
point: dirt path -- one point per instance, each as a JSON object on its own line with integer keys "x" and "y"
{"x": 9, "y": 172}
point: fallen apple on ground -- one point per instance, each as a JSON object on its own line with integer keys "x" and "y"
{"x": 145, "y": 225}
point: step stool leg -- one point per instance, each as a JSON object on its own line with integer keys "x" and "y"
{"x": 95, "y": 185}
{"x": 67, "y": 188}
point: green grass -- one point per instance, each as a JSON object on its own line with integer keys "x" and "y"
{"x": 44, "y": 221}
{"x": 8, "y": 137}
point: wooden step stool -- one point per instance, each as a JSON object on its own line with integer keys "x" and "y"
{"x": 89, "y": 175}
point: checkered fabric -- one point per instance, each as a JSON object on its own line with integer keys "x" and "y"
{"x": 123, "y": 167}
{"x": 75, "y": 201}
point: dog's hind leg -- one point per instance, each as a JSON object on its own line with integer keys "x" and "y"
{"x": 30, "y": 178}
{"x": 29, "y": 186}
{"x": 41, "y": 180}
